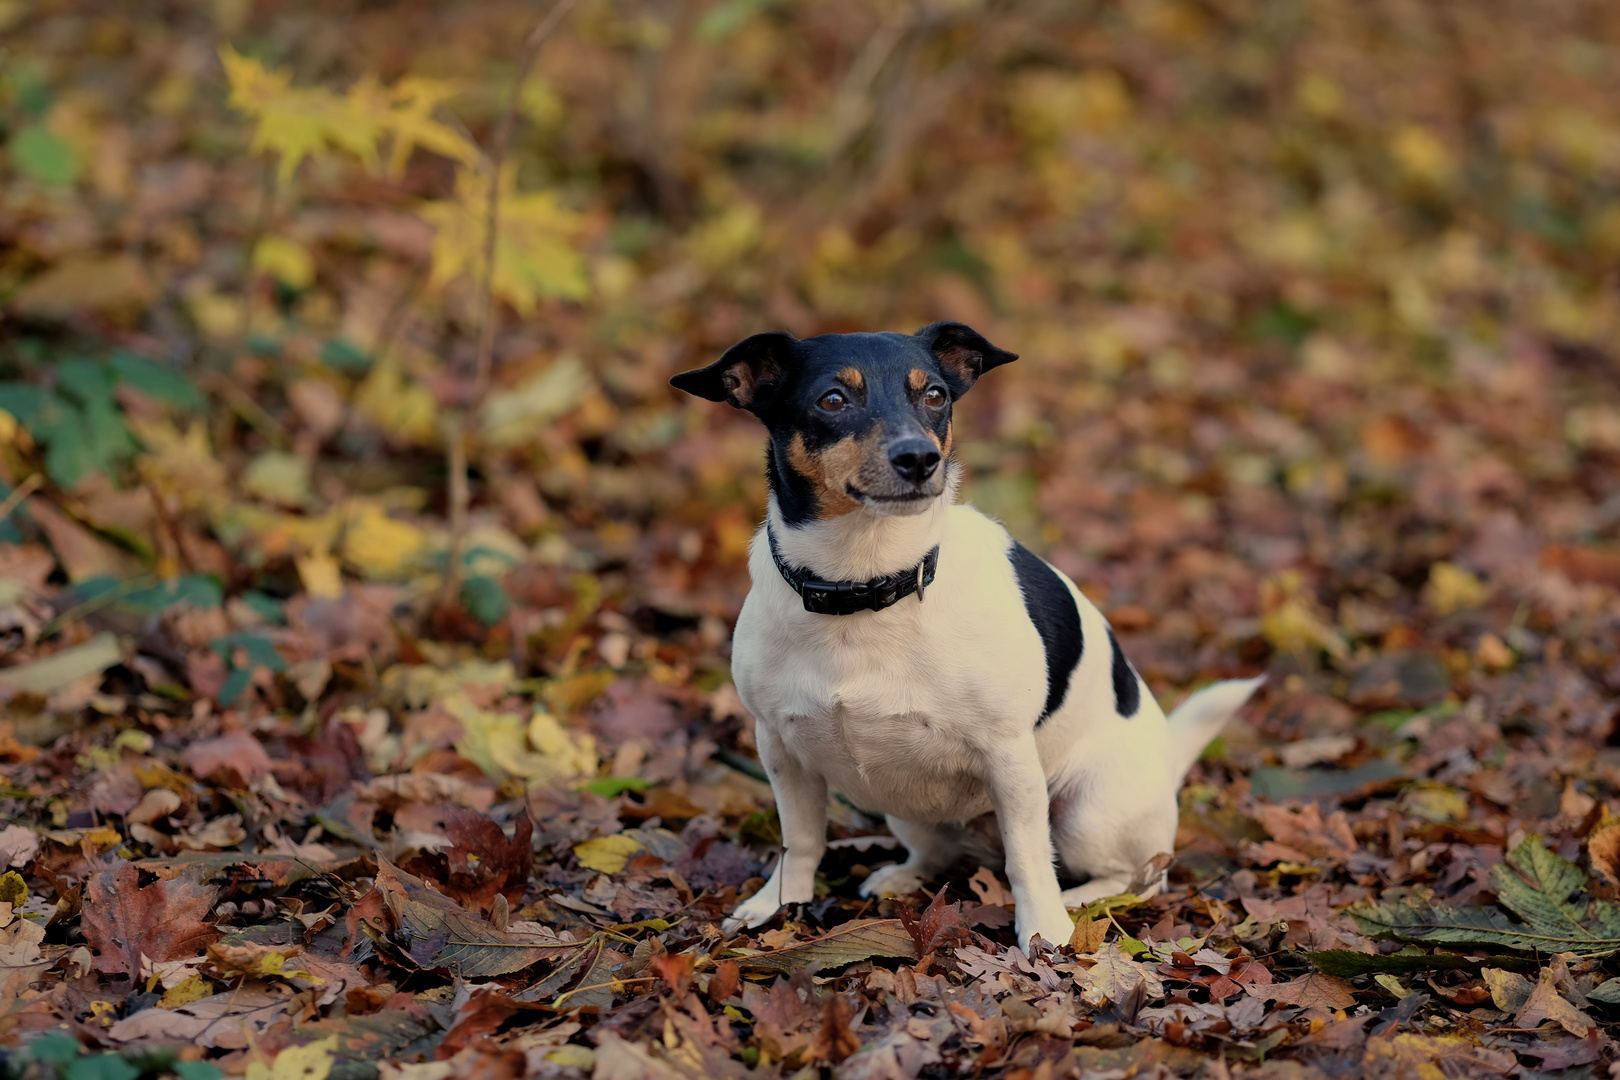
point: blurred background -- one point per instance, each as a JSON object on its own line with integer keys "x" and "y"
{"x": 1316, "y": 303}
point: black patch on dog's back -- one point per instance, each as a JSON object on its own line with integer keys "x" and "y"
{"x": 1052, "y": 609}
{"x": 1127, "y": 691}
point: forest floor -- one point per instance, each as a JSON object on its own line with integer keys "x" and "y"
{"x": 365, "y": 605}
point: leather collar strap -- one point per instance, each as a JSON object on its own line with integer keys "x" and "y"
{"x": 848, "y": 597}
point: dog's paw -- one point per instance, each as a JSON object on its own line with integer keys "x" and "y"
{"x": 896, "y": 879}
{"x": 755, "y": 911}
{"x": 1055, "y": 928}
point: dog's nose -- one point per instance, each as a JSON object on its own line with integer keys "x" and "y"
{"x": 914, "y": 459}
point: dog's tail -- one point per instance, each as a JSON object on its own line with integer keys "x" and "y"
{"x": 1201, "y": 717}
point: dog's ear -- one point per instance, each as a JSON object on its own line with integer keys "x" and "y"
{"x": 746, "y": 376}
{"x": 962, "y": 352}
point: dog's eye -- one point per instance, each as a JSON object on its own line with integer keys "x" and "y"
{"x": 935, "y": 398}
{"x": 833, "y": 401}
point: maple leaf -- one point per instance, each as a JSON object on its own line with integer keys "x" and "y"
{"x": 298, "y": 122}
{"x": 125, "y": 923}
{"x": 1114, "y": 977}
{"x": 534, "y": 256}
{"x": 1313, "y": 991}
{"x": 409, "y": 119}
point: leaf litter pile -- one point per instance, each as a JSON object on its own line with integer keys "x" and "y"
{"x": 365, "y": 593}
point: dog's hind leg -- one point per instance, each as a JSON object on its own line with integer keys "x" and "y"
{"x": 1107, "y": 828}
{"x": 930, "y": 849}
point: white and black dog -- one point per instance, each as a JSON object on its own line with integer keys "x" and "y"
{"x": 905, "y": 651}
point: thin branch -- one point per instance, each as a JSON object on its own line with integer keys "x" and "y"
{"x": 456, "y": 427}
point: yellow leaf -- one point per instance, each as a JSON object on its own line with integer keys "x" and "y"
{"x": 410, "y": 120}
{"x": 512, "y": 417}
{"x": 8, "y": 428}
{"x": 498, "y": 743}
{"x": 1451, "y": 588}
{"x": 193, "y": 989}
{"x": 312, "y": 1061}
{"x": 403, "y": 409}
{"x": 1424, "y": 157}
{"x": 279, "y": 477}
{"x": 1292, "y": 622}
{"x": 609, "y": 854}
{"x": 378, "y": 545}
{"x": 534, "y": 253}
{"x": 287, "y": 261}
{"x": 296, "y": 123}
{"x": 321, "y": 575}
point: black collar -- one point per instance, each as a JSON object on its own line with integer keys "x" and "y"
{"x": 848, "y": 597}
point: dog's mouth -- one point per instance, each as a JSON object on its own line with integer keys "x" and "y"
{"x": 867, "y": 496}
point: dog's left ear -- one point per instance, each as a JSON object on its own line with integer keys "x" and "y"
{"x": 962, "y": 352}
{"x": 746, "y": 375}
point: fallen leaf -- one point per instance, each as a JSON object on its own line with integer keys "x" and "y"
{"x": 128, "y": 925}
{"x": 840, "y": 946}
{"x": 312, "y": 1061}
{"x": 444, "y": 934}
{"x": 45, "y": 677}
{"x": 1315, "y": 990}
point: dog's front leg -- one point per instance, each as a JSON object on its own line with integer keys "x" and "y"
{"x": 801, "y": 803}
{"x": 1018, "y": 790}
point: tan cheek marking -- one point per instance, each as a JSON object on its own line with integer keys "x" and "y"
{"x": 945, "y": 450}
{"x": 827, "y": 472}
{"x": 852, "y": 377}
{"x": 918, "y": 379}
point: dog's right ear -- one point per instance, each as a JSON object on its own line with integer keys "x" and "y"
{"x": 746, "y": 376}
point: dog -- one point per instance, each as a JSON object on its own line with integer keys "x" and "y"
{"x": 904, "y": 650}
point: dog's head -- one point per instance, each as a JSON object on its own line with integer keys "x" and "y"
{"x": 857, "y": 421}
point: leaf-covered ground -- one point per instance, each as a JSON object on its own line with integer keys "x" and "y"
{"x": 365, "y": 593}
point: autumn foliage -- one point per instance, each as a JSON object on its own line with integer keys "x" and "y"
{"x": 366, "y": 593}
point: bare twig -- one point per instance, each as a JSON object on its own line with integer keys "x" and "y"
{"x": 18, "y": 494}
{"x": 456, "y": 427}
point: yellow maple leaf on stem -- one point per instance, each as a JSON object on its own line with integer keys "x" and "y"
{"x": 534, "y": 252}
{"x": 297, "y": 122}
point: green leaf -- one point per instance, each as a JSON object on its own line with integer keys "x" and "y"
{"x": 23, "y": 401}
{"x": 1608, "y": 993}
{"x": 611, "y": 787}
{"x": 155, "y": 380}
{"x": 1534, "y": 883}
{"x": 43, "y": 157}
{"x": 485, "y": 599}
{"x": 265, "y": 605}
{"x": 341, "y": 355}
{"x": 1347, "y": 964}
{"x": 235, "y": 683}
{"x": 199, "y": 590}
{"x": 261, "y": 651}
{"x": 54, "y": 1048}
{"x": 100, "y": 1067}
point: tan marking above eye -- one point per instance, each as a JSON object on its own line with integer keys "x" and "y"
{"x": 852, "y": 377}
{"x": 917, "y": 379}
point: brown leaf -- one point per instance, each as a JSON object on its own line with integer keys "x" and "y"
{"x": 163, "y": 921}
{"x": 834, "y": 1041}
{"x": 1603, "y": 848}
{"x": 726, "y": 981}
{"x": 1089, "y": 934}
{"x": 1544, "y": 1003}
{"x": 482, "y": 862}
{"x": 1305, "y": 830}
{"x": 1313, "y": 991}
{"x": 843, "y": 945}
{"x": 444, "y": 934}
{"x": 235, "y": 758}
